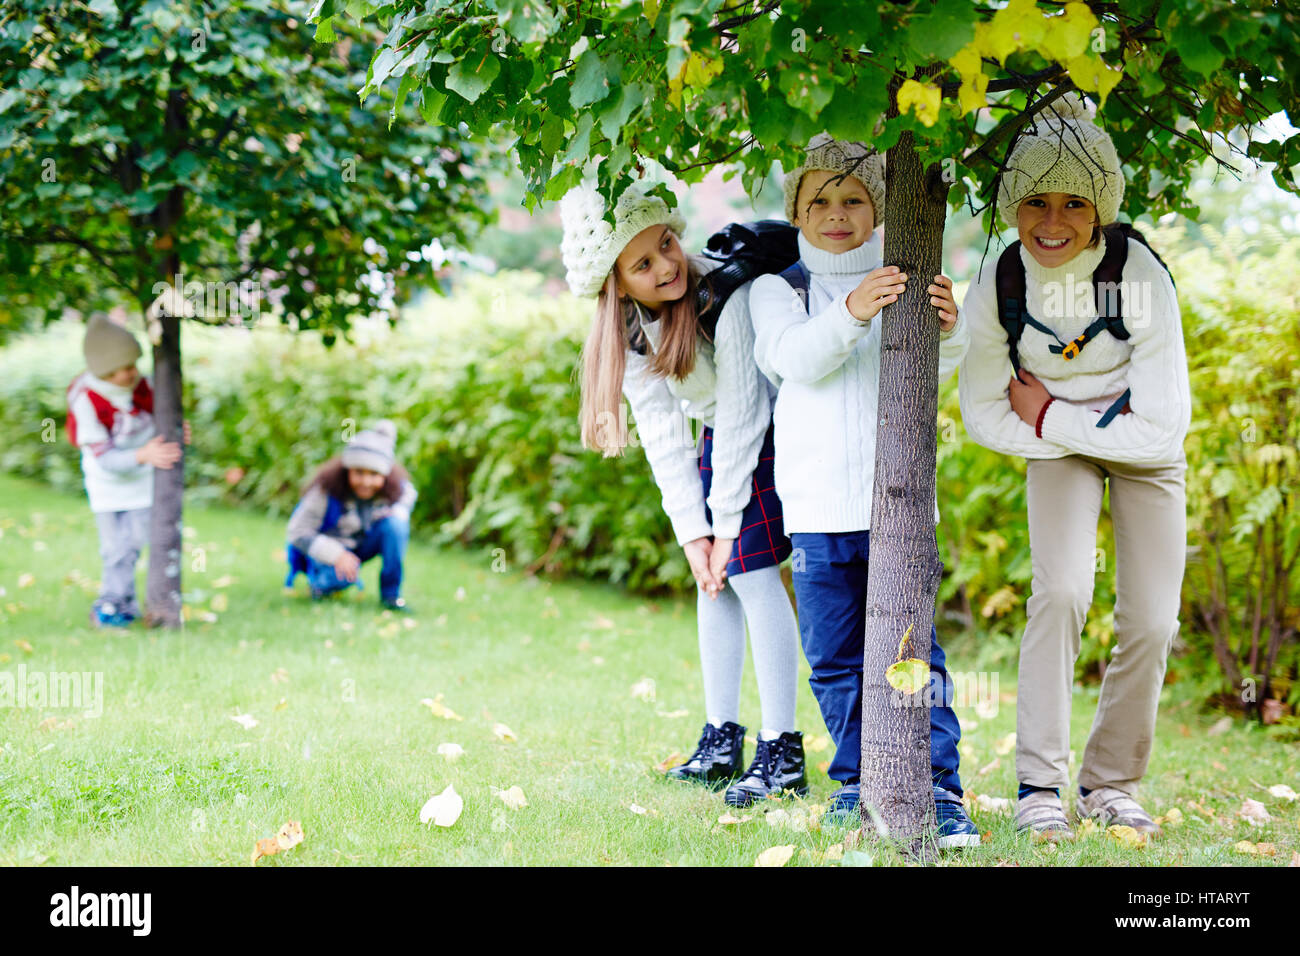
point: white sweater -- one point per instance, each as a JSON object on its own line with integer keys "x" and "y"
{"x": 724, "y": 391}
{"x": 115, "y": 481}
{"x": 1152, "y": 363}
{"x": 827, "y": 366}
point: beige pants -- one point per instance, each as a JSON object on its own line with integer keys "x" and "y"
{"x": 1149, "y": 513}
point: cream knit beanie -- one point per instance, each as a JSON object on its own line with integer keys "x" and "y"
{"x": 108, "y": 346}
{"x": 1063, "y": 151}
{"x": 372, "y": 449}
{"x": 591, "y": 246}
{"x": 840, "y": 156}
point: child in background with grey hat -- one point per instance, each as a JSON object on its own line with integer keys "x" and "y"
{"x": 1090, "y": 404}
{"x": 110, "y": 418}
{"x": 648, "y": 343}
{"x": 822, "y": 350}
{"x": 356, "y": 507}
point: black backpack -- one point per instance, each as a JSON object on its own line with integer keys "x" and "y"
{"x": 746, "y": 251}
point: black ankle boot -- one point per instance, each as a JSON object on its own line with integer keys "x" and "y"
{"x": 778, "y": 766}
{"x": 718, "y": 758}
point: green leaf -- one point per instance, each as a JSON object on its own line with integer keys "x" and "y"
{"x": 325, "y": 31}
{"x": 613, "y": 119}
{"x": 474, "y": 73}
{"x": 590, "y": 81}
{"x": 942, "y": 32}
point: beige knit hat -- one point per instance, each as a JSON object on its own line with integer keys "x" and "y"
{"x": 372, "y": 449}
{"x": 840, "y": 156}
{"x": 591, "y": 246}
{"x": 108, "y": 346}
{"x": 1063, "y": 151}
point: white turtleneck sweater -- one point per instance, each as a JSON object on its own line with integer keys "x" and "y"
{"x": 826, "y": 365}
{"x": 1152, "y": 363}
{"x": 724, "y": 391}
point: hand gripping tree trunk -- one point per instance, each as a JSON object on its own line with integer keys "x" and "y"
{"x": 903, "y": 580}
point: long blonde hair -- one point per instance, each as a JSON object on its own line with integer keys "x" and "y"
{"x": 604, "y": 358}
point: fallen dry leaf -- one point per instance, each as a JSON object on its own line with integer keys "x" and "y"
{"x": 776, "y": 856}
{"x": 1127, "y": 836}
{"x": 1295, "y": 858}
{"x": 223, "y": 582}
{"x": 674, "y": 759}
{"x": 290, "y": 835}
{"x": 23, "y": 646}
{"x": 1005, "y": 745}
{"x": 444, "y": 809}
{"x": 816, "y": 744}
{"x": 1087, "y": 827}
{"x": 247, "y": 721}
{"x": 1000, "y": 805}
{"x": 1218, "y": 766}
{"x": 452, "y": 752}
{"x": 504, "y": 733}
{"x": 439, "y": 709}
{"x": 1254, "y": 813}
{"x": 219, "y": 603}
{"x": 644, "y": 689}
{"x": 602, "y": 623}
{"x": 673, "y": 714}
{"x": 284, "y": 703}
{"x": 637, "y": 809}
{"x": 280, "y": 676}
{"x": 26, "y": 580}
{"x": 729, "y": 819}
{"x": 1173, "y": 818}
{"x": 512, "y": 798}
{"x": 1282, "y": 792}
{"x": 835, "y": 852}
{"x": 1220, "y": 726}
{"x": 1246, "y": 847}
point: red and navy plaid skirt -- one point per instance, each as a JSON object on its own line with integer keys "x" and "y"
{"x": 762, "y": 542}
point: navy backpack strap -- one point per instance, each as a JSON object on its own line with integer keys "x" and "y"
{"x": 1116, "y": 408}
{"x": 1107, "y": 281}
{"x": 1010, "y": 284}
{"x": 796, "y": 276}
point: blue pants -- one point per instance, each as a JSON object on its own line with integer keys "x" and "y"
{"x": 830, "y": 584}
{"x": 386, "y": 539}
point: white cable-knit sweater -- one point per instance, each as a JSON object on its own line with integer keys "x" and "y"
{"x": 827, "y": 367}
{"x": 1152, "y": 363}
{"x": 726, "y": 392}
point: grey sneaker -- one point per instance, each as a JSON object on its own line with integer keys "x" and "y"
{"x": 1040, "y": 814}
{"x": 1116, "y": 808}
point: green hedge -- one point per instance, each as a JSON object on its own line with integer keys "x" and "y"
{"x": 482, "y": 387}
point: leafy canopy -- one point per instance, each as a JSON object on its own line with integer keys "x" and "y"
{"x": 695, "y": 83}
{"x": 138, "y": 136}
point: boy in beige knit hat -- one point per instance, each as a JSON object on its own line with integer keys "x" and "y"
{"x": 110, "y": 418}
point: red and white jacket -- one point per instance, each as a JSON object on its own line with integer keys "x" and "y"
{"x": 108, "y": 423}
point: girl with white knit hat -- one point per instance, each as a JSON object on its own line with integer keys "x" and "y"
{"x": 1099, "y": 399}
{"x": 647, "y": 343}
{"x": 356, "y": 507}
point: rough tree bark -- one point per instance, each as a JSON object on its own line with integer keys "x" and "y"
{"x": 163, "y": 588}
{"x": 905, "y": 570}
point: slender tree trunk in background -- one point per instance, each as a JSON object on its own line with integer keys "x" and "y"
{"x": 163, "y": 591}
{"x": 903, "y": 581}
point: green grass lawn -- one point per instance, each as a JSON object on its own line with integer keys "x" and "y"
{"x": 343, "y": 744}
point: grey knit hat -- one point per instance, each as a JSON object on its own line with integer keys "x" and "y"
{"x": 591, "y": 246}
{"x": 372, "y": 449}
{"x": 108, "y": 346}
{"x": 840, "y": 156}
{"x": 1063, "y": 151}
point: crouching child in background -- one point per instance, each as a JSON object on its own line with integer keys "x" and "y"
{"x": 356, "y": 507}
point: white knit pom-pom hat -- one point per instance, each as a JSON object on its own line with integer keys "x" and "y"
{"x": 591, "y": 246}
{"x": 824, "y": 152}
{"x": 1063, "y": 150}
{"x": 372, "y": 449}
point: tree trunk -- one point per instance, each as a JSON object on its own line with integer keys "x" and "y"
{"x": 904, "y": 575}
{"x": 163, "y": 590}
